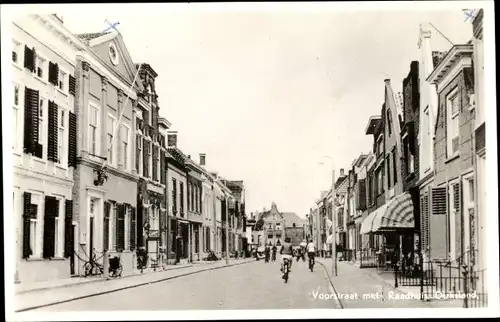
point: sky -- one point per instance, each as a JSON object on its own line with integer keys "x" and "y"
{"x": 266, "y": 94}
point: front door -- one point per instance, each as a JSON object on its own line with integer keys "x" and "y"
{"x": 91, "y": 237}
{"x": 72, "y": 256}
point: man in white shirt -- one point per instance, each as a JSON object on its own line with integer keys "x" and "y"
{"x": 311, "y": 250}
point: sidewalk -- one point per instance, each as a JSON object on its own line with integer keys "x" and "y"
{"x": 364, "y": 288}
{"x": 60, "y": 293}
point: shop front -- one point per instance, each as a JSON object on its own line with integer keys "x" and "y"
{"x": 394, "y": 223}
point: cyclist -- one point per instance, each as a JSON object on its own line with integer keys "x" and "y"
{"x": 311, "y": 250}
{"x": 286, "y": 252}
{"x": 274, "y": 250}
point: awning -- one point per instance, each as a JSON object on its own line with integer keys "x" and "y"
{"x": 397, "y": 215}
{"x": 366, "y": 225}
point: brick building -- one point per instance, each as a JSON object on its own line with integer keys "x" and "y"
{"x": 453, "y": 194}
{"x": 410, "y": 163}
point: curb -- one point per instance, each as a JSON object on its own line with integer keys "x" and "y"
{"x": 331, "y": 284}
{"x": 127, "y": 287}
{"x": 97, "y": 280}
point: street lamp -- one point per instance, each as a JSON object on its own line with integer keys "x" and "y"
{"x": 334, "y": 224}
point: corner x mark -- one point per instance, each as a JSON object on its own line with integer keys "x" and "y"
{"x": 469, "y": 14}
{"x": 111, "y": 25}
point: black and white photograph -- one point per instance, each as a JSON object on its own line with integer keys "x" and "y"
{"x": 249, "y": 160}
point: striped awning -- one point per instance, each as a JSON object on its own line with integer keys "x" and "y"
{"x": 398, "y": 214}
{"x": 367, "y": 224}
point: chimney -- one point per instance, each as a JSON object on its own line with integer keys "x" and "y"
{"x": 341, "y": 172}
{"x": 387, "y": 81}
{"x": 202, "y": 159}
{"x": 172, "y": 139}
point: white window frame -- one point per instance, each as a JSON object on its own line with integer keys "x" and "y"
{"x": 97, "y": 128}
{"x": 150, "y": 159}
{"x": 43, "y": 109}
{"x": 38, "y": 222}
{"x": 140, "y": 147}
{"x": 59, "y": 231}
{"x": 112, "y": 226}
{"x": 17, "y": 111}
{"x": 468, "y": 205}
{"x": 112, "y": 153}
{"x": 64, "y": 80}
{"x": 452, "y": 123}
{"x": 158, "y": 168}
{"x": 62, "y": 120}
{"x": 43, "y": 67}
{"x": 125, "y": 142}
{"x": 17, "y": 47}
{"x": 453, "y": 213}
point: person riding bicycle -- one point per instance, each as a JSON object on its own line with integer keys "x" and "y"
{"x": 311, "y": 250}
{"x": 274, "y": 250}
{"x": 286, "y": 252}
{"x": 267, "y": 252}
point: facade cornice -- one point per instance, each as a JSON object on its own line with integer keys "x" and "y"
{"x": 97, "y": 165}
{"x": 449, "y": 62}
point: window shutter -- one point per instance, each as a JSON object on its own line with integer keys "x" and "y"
{"x": 155, "y": 167}
{"x": 68, "y": 227}
{"x": 163, "y": 170}
{"x": 439, "y": 201}
{"x": 52, "y": 73}
{"x": 27, "y": 251}
{"x": 137, "y": 155}
{"x": 72, "y": 140}
{"x": 145, "y": 162}
{"x": 120, "y": 228}
{"x": 72, "y": 85}
{"x": 105, "y": 238}
{"x": 132, "y": 228}
{"x": 52, "y": 132}
{"x": 51, "y": 212}
{"x": 29, "y": 58}
{"x": 31, "y": 101}
{"x": 424, "y": 223}
{"x": 459, "y": 227}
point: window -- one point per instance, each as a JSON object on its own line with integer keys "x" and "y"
{"x": 174, "y": 194}
{"x": 154, "y": 218}
{"x": 139, "y": 154}
{"x": 388, "y": 162}
{"x": 61, "y": 136}
{"x": 158, "y": 164}
{"x": 452, "y": 126}
{"x": 62, "y": 80}
{"x": 454, "y": 208}
{"x": 389, "y": 122}
{"x": 181, "y": 192}
{"x": 15, "y": 117}
{"x": 40, "y": 65}
{"x": 58, "y": 236}
{"x": 278, "y": 226}
{"x": 394, "y": 168}
{"x": 36, "y": 226}
{"x": 110, "y": 126}
{"x": 93, "y": 127}
{"x": 150, "y": 159}
{"x": 41, "y": 127}
{"x": 380, "y": 146}
{"x": 380, "y": 182}
{"x": 270, "y": 236}
{"x": 125, "y": 150}
{"x": 16, "y": 50}
{"x": 468, "y": 216}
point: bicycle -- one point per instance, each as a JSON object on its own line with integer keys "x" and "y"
{"x": 115, "y": 267}
{"x": 286, "y": 269}
{"x": 92, "y": 267}
{"x": 311, "y": 261}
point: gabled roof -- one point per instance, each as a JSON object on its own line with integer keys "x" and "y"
{"x": 292, "y": 218}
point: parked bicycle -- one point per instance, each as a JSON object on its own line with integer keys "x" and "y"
{"x": 92, "y": 267}
{"x": 115, "y": 267}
